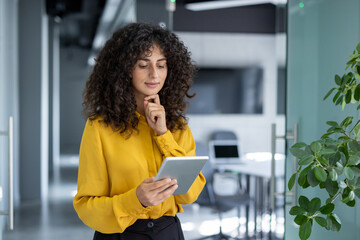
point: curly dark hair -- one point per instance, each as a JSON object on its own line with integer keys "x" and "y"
{"x": 109, "y": 92}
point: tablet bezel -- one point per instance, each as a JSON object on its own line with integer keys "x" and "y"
{"x": 183, "y": 169}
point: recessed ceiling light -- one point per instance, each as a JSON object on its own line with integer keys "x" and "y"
{"x": 210, "y": 5}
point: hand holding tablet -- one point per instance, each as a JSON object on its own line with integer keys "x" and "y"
{"x": 183, "y": 169}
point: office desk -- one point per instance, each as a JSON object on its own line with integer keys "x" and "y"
{"x": 255, "y": 167}
{"x": 257, "y": 174}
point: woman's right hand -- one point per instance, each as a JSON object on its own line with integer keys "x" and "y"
{"x": 152, "y": 193}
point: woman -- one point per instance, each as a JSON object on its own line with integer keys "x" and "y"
{"x": 135, "y": 101}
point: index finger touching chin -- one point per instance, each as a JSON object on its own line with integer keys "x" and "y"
{"x": 155, "y": 97}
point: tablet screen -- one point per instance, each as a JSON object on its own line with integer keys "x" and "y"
{"x": 183, "y": 169}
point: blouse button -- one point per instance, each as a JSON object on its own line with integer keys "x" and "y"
{"x": 150, "y": 224}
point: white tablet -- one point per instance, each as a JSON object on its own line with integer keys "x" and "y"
{"x": 183, "y": 169}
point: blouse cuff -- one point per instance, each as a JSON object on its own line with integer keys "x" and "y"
{"x": 129, "y": 204}
{"x": 166, "y": 143}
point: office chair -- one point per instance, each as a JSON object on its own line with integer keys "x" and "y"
{"x": 223, "y": 135}
{"x": 221, "y": 204}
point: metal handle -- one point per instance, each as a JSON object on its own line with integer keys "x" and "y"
{"x": 273, "y": 193}
{"x": 10, "y": 135}
{"x": 272, "y": 179}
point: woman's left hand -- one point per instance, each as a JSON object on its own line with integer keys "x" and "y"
{"x": 155, "y": 114}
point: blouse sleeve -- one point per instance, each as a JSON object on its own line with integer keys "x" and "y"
{"x": 92, "y": 202}
{"x": 183, "y": 146}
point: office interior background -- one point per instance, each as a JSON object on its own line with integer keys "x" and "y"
{"x": 260, "y": 63}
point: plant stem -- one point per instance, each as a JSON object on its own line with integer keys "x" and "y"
{"x": 319, "y": 164}
{"x": 354, "y": 126}
{"x": 343, "y": 132}
{"x": 336, "y": 196}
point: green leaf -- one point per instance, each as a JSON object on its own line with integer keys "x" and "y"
{"x": 299, "y": 153}
{"x": 354, "y": 160}
{"x": 299, "y": 145}
{"x": 349, "y": 63}
{"x": 315, "y": 147}
{"x": 342, "y": 185}
{"x": 312, "y": 179}
{"x": 306, "y": 160}
{"x": 342, "y": 159}
{"x": 336, "y": 96}
{"x": 339, "y": 164}
{"x": 357, "y": 183}
{"x": 357, "y": 192}
{"x": 357, "y": 93}
{"x": 305, "y": 230}
{"x": 352, "y": 183}
{"x": 304, "y": 202}
{"x": 336, "y": 223}
{"x": 320, "y": 174}
{"x": 326, "y": 135}
{"x": 334, "y": 159}
{"x": 351, "y": 203}
{"x": 327, "y": 151}
{"x": 306, "y": 170}
{"x": 351, "y": 195}
{"x": 331, "y": 187}
{"x": 357, "y": 129}
{"x": 356, "y": 171}
{"x": 358, "y": 48}
{"x": 296, "y": 210}
{"x": 339, "y": 100}
{"x": 328, "y": 223}
{"x": 332, "y": 123}
{"x": 302, "y": 179}
{"x": 303, "y": 175}
{"x": 354, "y": 146}
{"x": 300, "y": 219}
{"x": 327, "y": 209}
{"x": 337, "y": 130}
{"x": 292, "y": 181}
{"x": 345, "y": 80}
{"x": 308, "y": 150}
{"x": 347, "y": 121}
{"x": 349, "y": 174}
{"x": 348, "y": 96}
{"x": 314, "y": 205}
{"x": 328, "y": 94}
{"x": 337, "y": 80}
{"x": 323, "y": 160}
{"x": 321, "y": 221}
{"x": 333, "y": 175}
{"x": 348, "y": 196}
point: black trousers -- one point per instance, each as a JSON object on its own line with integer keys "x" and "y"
{"x": 164, "y": 228}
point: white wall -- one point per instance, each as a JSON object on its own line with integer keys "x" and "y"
{"x": 241, "y": 50}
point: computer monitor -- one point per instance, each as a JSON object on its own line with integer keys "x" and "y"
{"x": 224, "y": 151}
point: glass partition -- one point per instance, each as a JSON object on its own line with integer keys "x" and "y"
{"x": 321, "y": 37}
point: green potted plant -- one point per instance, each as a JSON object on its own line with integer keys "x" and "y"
{"x": 332, "y": 163}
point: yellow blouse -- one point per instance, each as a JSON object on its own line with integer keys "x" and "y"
{"x": 111, "y": 167}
